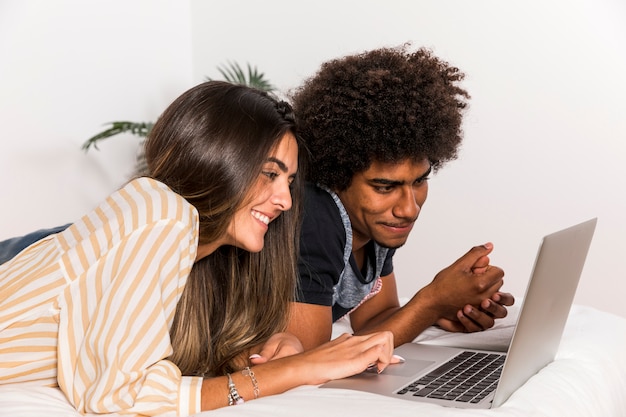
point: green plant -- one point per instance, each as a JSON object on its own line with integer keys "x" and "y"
{"x": 234, "y": 74}
{"x": 140, "y": 129}
{"x": 231, "y": 72}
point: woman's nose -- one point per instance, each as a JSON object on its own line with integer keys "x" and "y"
{"x": 282, "y": 197}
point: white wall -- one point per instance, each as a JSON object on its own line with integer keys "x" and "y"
{"x": 544, "y": 144}
{"x": 66, "y": 68}
{"x": 544, "y": 138}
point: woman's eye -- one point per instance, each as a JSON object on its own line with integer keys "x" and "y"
{"x": 270, "y": 174}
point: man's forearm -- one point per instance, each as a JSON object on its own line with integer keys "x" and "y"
{"x": 406, "y": 323}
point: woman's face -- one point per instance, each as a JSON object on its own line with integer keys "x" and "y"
{"x": 270, "y": 196}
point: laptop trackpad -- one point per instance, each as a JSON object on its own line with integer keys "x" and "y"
{"x": 408, "y": 368}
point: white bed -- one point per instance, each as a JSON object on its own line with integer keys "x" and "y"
{"x": 587, "y": 379}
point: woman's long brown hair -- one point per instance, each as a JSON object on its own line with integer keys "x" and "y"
{"x": 209, "y": 146}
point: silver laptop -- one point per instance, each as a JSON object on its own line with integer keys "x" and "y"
{"x": 469, "y": 378}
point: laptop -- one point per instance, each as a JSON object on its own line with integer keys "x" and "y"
{"x": 470, "y": 378}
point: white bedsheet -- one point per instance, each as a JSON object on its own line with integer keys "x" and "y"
{"x": 587, "y": 379}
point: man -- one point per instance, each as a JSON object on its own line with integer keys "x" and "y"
{"x": 376, "y": 125}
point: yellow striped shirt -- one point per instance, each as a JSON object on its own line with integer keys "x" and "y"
{"x": 90, "y": 308}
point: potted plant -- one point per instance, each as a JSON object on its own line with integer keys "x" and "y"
{"x": 231, "y": 72}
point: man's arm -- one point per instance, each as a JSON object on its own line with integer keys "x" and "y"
{"x": 310, "y": 323}
{"x": 384, "y": 311}
{"x": 449, "y": 299}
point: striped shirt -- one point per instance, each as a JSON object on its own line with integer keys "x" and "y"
{"x": 89, "y": 309}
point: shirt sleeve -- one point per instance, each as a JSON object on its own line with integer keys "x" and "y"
{"x": 322, "y": 245}
{"x": 115, "y": 320}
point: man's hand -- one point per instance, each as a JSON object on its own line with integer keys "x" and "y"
{"x": 472, "y": 319}
{"x": 481, "y": 317}
{"x": 462, "y": 293}
{"x": 278, "y": 346}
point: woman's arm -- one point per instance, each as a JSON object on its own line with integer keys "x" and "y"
{"x": 345, "y": 356}
{"x": 114, "y": 331}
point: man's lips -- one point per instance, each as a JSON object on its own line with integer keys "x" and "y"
{"x": 402, "y": 227}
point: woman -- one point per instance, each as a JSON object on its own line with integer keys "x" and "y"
{"x": 161, "y": 300}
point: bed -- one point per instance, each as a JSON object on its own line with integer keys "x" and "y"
{"x": 586, "y": 379}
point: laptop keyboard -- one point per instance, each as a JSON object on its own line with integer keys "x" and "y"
{"x": 468, "y": 377}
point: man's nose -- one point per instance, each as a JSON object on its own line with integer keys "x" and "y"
{"x": 407, "y": 206}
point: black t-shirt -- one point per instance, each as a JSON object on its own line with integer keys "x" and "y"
{"x": 328, "y": 274}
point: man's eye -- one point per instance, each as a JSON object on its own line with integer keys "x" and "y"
{"x": 384, "y": 189}
{"x": 421, "y": 180}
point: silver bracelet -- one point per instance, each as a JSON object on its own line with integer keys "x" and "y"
{"x": 233, "y": 395}
{"x": 255, "y": 384}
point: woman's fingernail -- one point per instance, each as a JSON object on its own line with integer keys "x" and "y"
{"x": 254, "y": 356}
{"x": 399, "y": 358}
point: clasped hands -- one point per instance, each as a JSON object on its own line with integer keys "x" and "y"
{"x": 489, "y": 303}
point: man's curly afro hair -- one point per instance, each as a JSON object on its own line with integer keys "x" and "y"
{"x": 387, "y": 105}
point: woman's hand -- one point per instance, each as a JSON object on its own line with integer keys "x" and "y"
{"x": 342, "y": 357}
{"x": 278, "y": 346}
{"x": 349, "y": 355}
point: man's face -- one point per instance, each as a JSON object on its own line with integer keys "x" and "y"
{"x": 384, "y": 201}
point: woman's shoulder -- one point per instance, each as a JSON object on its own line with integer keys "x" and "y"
{"x": 140, "y": 205}
{"x": 146, "y": 200}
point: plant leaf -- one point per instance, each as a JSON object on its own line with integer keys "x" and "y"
{"x": 233, "y": 73}
{"x": 140, "y": 129}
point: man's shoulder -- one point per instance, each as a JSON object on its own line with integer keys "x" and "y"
{"x": 321, "y": 222}
{"x": 316, "y": 194}
{"x": 319, "y": 204}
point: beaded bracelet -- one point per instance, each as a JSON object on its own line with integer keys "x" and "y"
{"x": 255, "y": 384}
{"x": 233, "y": 395}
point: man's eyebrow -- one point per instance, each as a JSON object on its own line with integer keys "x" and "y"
{"x": 278, "y": 162}
{"x": 386, "y": 181}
